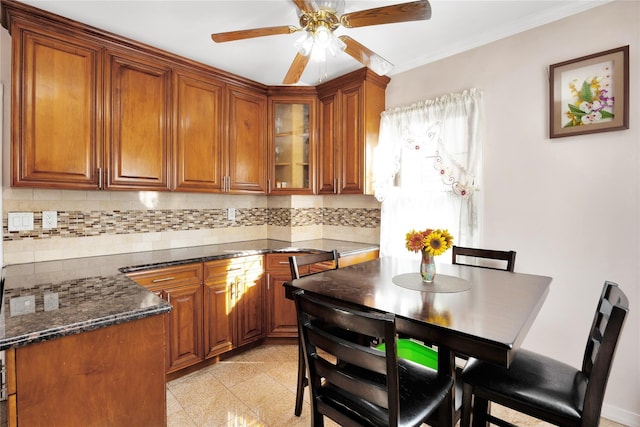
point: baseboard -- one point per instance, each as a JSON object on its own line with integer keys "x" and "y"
{"x": 620, "y": 416}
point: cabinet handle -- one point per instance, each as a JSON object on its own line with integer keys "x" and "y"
{"x": 162, "y": 279}
{"x": 268, "y": 185}
{"x": 284, "y": 262}
{"x": 219, "y": 292}
{"x": 234, "y": 269}
{"x": 100, "y": 183}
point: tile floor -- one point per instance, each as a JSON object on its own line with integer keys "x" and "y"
{"x": 257, "y": 389}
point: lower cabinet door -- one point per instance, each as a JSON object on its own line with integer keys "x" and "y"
{"x": 283, "y": 321}
{"x": 251, "y": 313}
{"x": 184, "y": 326}
{"x": 218, "y": 316}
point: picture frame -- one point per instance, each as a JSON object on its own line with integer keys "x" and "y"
{"x": 589, "y": 94}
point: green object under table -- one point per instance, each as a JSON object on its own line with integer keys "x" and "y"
{"x": 416, "y": 352}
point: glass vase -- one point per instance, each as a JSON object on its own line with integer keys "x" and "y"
{"x": 427, "y": 267}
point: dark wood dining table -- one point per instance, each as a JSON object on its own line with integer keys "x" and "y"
{"x": 485, "y": 314}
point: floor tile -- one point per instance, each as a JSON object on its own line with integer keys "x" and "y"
{"x": 257, "y": 389}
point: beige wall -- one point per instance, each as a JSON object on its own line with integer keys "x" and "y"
{"x": 569, "y": 206}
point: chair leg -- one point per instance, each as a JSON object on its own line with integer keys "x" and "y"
{"x": 480, "y": 412}
{"x": 467, "y": 396}
{"x": 302, "y": 381}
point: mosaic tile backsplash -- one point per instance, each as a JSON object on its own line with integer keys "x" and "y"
{"x": 75, "y": 224}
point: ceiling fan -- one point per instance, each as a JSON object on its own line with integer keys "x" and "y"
{"x": 320, "y": 18}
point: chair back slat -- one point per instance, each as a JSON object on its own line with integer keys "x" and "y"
{"x": 297, "y": 261}
{"x": 600, "y": 350}
{"x": 362, "y": 371}
{"x": 483, "y": 254}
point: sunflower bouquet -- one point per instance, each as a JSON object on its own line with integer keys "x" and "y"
{"x": 432, "y": 241}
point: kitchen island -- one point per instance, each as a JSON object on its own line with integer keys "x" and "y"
{"x": 86, "y": 344}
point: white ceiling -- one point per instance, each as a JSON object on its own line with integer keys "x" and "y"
{"x": 184, "y": 28}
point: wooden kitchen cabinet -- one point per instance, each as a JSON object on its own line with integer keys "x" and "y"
{"x": 234, "y": 303}
{"x": 281, "y": 315}
{"x": 246, "y": 149}
{"x": 182, "y": 287}
{"x": 198, "y": 132}
{"x": 56, "y": 128}
{"x": 282, "y": 319}
{"x": 111, "y": 376}
{"x": 292, "y": 141}
{"x": 137, "y": 114}
{"x": 349, "y": 121}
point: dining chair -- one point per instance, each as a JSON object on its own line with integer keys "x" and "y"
{"x": 545, "y": 388}
{"x": 307, "y": 261}
{"x": 301, "y": 266}
{"x": 482, "y": 255}
{"x": 407, "y": 349}
{"x": 355, "y": 384}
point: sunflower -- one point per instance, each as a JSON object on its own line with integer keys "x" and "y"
{"x": 448, "y": 238}
{"x": 435, "y": 243}
{"x": 415, "y": 240}
{"x": 432, "y": 241}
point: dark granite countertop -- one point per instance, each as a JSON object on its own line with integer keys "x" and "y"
{"x": 65, "y": 297}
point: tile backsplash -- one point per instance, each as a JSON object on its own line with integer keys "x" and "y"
{"x": 93, "y": 226}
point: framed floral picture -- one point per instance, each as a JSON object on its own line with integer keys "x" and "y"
{"x": 589, "y": 94}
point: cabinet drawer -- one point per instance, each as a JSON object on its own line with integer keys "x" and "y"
{"x": 213, "y": 269}
{"x": 280, "y": 262}
{"x": 169, "y": 277}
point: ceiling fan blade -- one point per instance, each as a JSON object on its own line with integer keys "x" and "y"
{"x": 296, "y": 69}
{"x": 412, "y": 11}
{"x": 366, "y": 56}
{"x": 255, "y": 32}
{"x": 306, "y": 6}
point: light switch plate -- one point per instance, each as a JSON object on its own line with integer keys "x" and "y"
{"x": 20, "y": 221}
{"x": 22, "y": 305}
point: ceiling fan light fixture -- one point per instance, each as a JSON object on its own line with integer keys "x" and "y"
{"x": 304, "y": 44}
{"x": 334, "y": 6}
{"x": 325, "y": 43}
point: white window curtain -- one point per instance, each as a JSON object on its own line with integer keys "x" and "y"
{"x": 426, "y": 170}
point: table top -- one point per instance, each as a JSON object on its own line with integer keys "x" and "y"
{"x": 489, "y": 320}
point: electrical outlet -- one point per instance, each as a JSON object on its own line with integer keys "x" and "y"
{"x": 51, "y": 301}
{"x": 231, "y": 214}
{"x": 49, "y": 219}
{"x": 22, "y": 305}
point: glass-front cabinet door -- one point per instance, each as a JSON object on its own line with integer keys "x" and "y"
{"x": 293, "y": 153}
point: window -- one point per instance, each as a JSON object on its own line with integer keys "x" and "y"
{"x": 427, "y": 167}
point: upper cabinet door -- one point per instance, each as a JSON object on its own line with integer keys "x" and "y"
{"x": 247, "y": 142}
{"x": 350, "y": 108}
{"x": 138, "y": 116}
{"x": 56, "y": 110}
{"x": 198, "y": 132}
{"x": 350, "y": 161}
{"x": 292, "y": 145}
{"x": 327, "y": 154}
